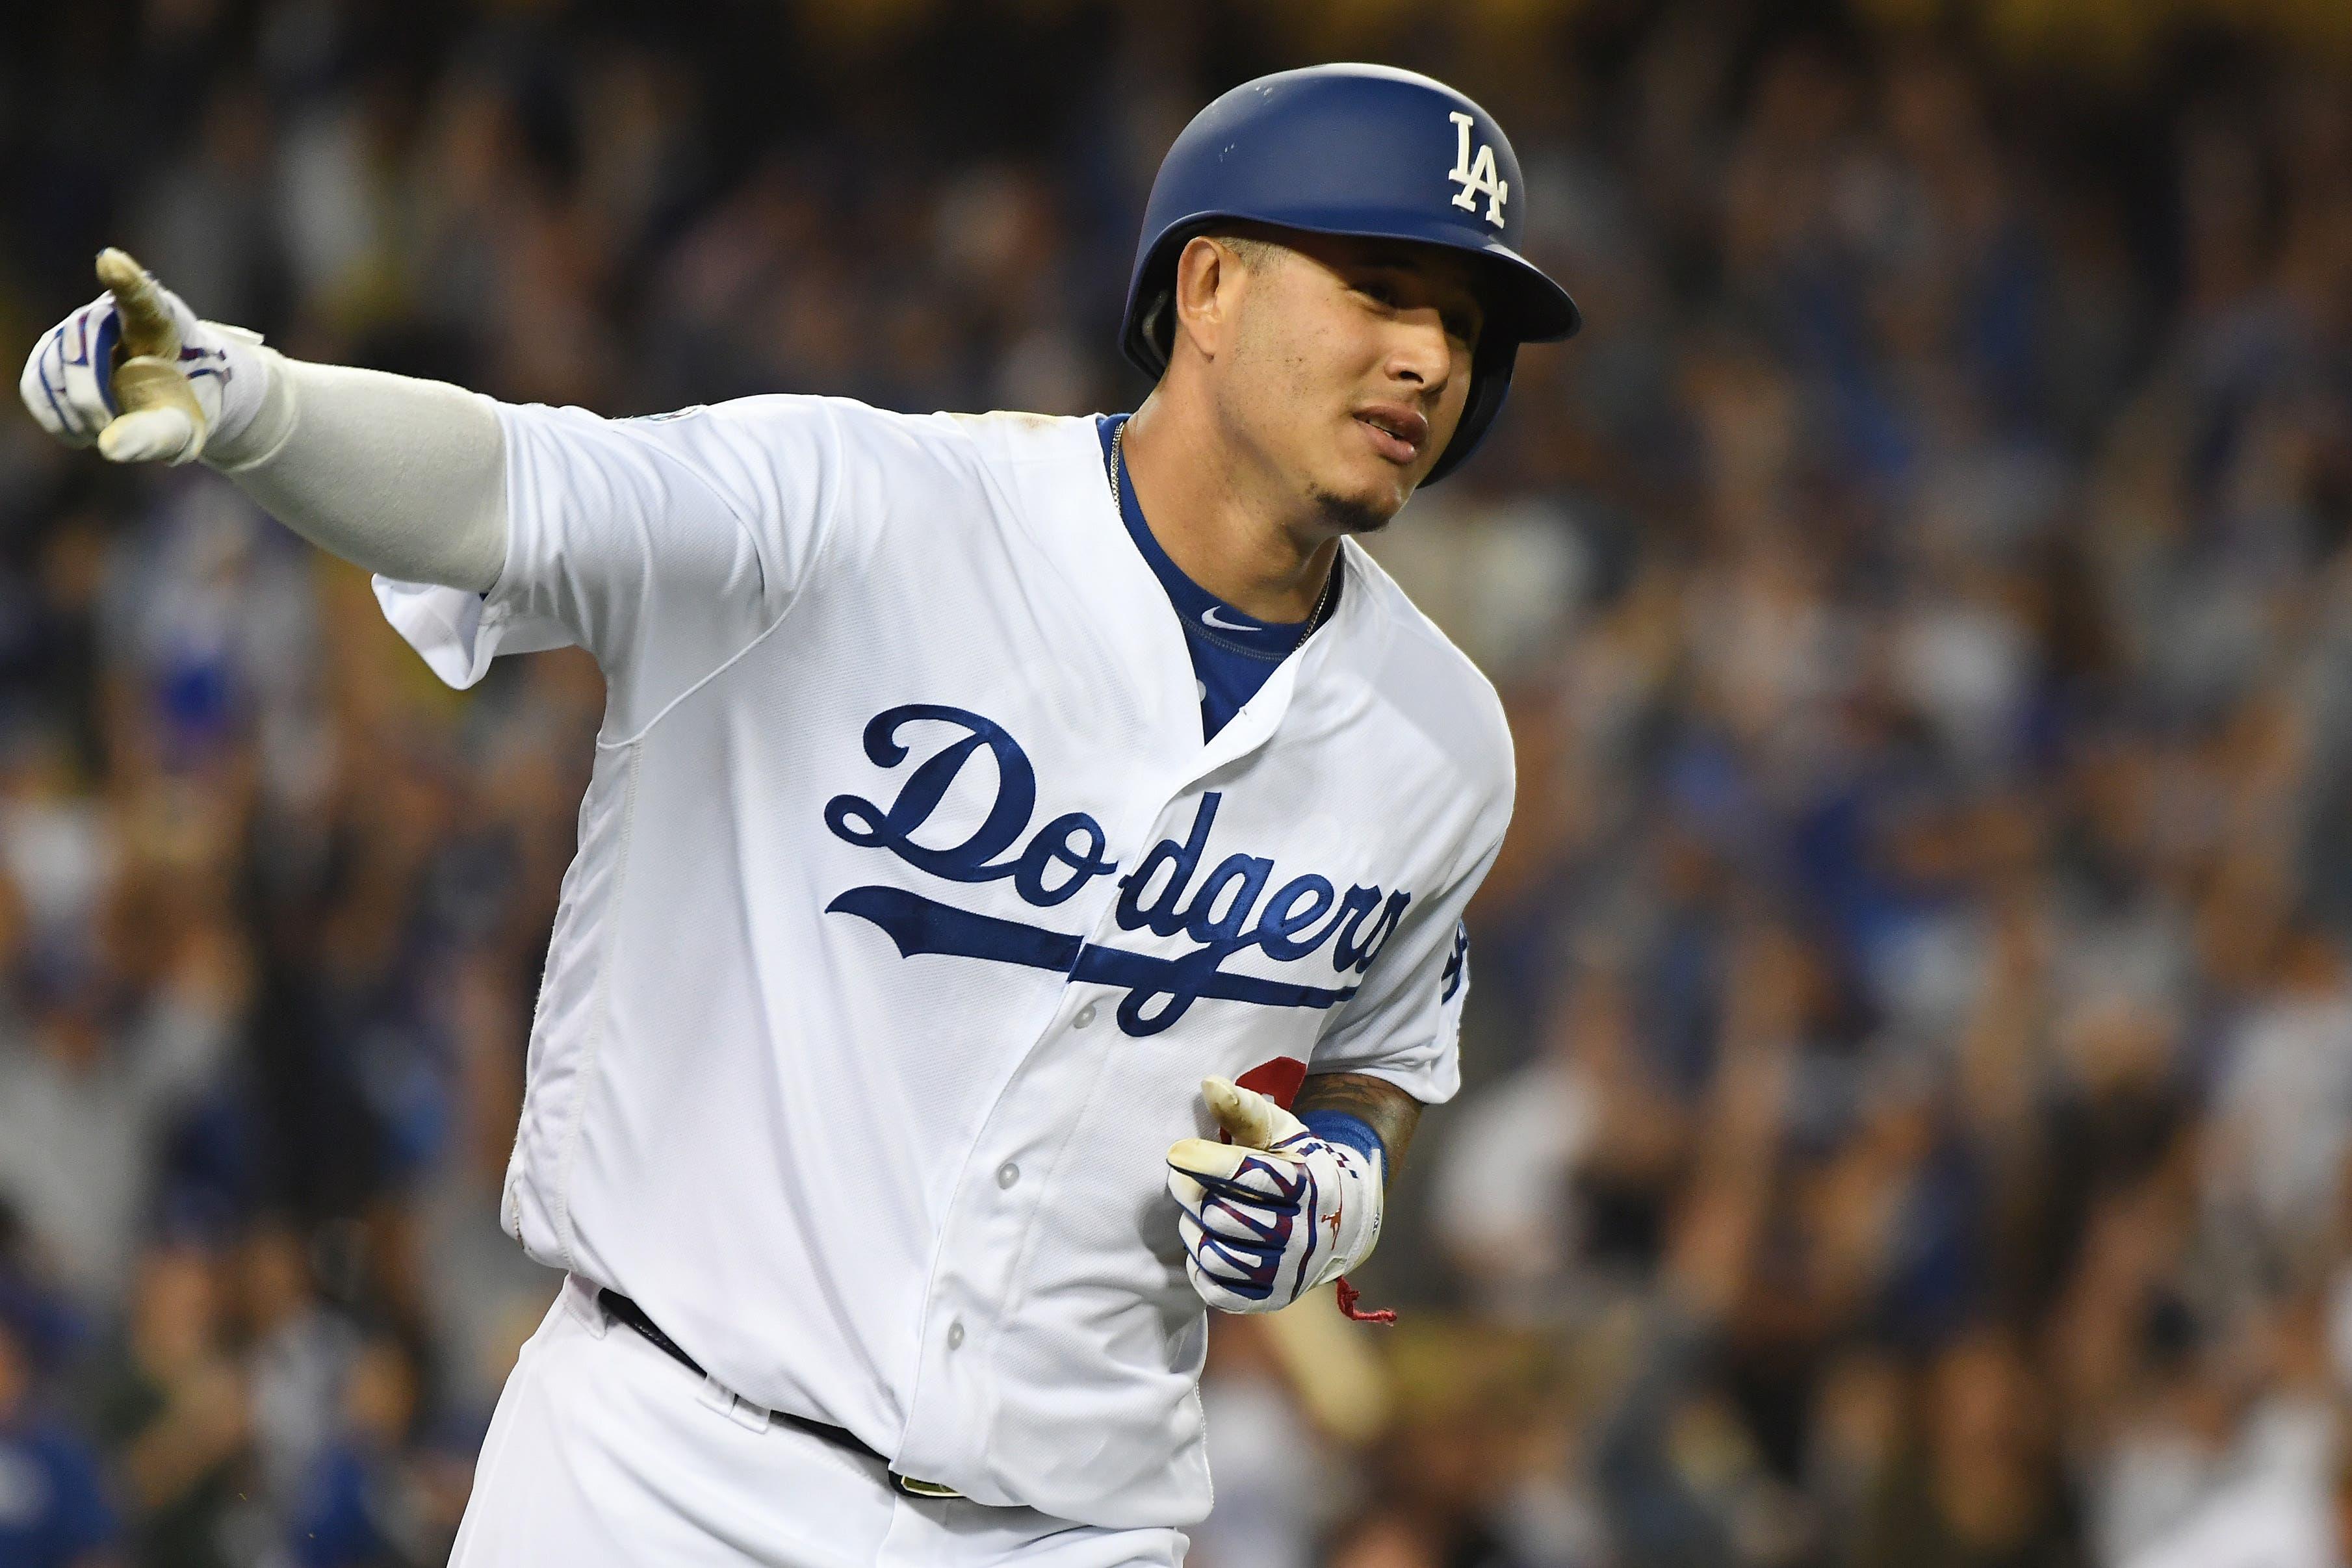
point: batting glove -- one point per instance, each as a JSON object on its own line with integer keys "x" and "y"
{"x": 1276, "y": 1212}
{"x": 136, "y": 374}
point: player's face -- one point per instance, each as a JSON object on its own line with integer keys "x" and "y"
{"x": 1352, "y": 366}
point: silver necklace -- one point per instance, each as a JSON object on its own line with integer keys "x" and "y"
{"x": 1330, "y": 578}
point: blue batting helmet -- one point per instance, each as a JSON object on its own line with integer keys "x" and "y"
{"x": 1359, "y": 149}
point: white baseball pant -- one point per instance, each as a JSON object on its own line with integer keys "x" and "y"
{"x": 605, "y": 1451}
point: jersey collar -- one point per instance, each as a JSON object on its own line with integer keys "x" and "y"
{"x": 1203, "y": 613}
{"x": 1065, "y": 500}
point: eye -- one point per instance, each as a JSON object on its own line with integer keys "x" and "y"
{"x": 1378, "y": 292}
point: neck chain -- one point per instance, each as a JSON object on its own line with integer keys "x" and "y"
{"x": 1330, "y": 578}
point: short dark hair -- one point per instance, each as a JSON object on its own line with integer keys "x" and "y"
{"x": 1255, "y": 249}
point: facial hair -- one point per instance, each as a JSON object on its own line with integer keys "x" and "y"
{"x": 1345, "y": 515}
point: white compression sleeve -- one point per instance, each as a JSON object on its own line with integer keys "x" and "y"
{"x": 402, "y": 477}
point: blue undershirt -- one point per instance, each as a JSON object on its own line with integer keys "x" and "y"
{"x": 1234, "y": 653}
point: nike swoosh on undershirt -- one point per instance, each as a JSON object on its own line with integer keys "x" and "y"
{"x": 1209, "y": 618}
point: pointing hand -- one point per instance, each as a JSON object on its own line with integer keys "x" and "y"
{"x": 136, "y": 374}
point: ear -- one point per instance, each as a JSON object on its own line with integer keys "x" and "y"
{"x": 1206, "y": 296}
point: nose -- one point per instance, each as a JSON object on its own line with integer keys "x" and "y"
{"x": 1420, "y": 353}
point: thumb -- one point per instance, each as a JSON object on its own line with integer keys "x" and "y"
{"x": 147, "y": 325}
{"x": 1247, "y": 1116}
{"x": 146, "y": 435}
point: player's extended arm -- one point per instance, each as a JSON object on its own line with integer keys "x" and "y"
{"x": 402, "y": 477}
{"x": 1287, "y": 1202}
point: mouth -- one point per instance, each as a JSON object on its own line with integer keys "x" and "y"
{"x": 1398, "y": 433}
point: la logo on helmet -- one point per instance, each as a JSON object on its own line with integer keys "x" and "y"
{"x": 1477, "y": 178}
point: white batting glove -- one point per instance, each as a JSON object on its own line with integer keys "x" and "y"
{"x": 1275, "y": 1213}
{"x": 176, "y": 385}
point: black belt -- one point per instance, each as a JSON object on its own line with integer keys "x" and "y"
{"x": 625, "y": 1311}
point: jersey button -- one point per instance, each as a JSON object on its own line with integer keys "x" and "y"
{"x": 1007, "y": 1174}
{"x": 1085, "y": 1016}
{"x": 955, "y": 1335}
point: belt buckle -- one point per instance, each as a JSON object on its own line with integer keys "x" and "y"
{"x": 914, "y": 1488}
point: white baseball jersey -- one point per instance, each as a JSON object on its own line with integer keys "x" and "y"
{"x": 910, "y": 908}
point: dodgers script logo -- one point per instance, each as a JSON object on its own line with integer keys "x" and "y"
{"x": 1227, "y": 913}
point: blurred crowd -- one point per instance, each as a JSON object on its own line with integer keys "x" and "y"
{"x": 1910, "y": 1049}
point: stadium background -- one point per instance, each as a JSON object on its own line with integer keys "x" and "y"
{"x": 1910, "y": 1057}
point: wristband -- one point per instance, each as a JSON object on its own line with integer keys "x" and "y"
{"x": 1344, "y": 1127}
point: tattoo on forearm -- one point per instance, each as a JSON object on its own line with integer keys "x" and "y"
{"x": 1389, "y": 1110}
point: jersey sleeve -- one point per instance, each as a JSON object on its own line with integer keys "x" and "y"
{"x": 662, "y": 546}
{"x": 1405, "y": 1024}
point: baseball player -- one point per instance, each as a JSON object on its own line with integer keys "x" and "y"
{"x": 1018, "y": 893}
